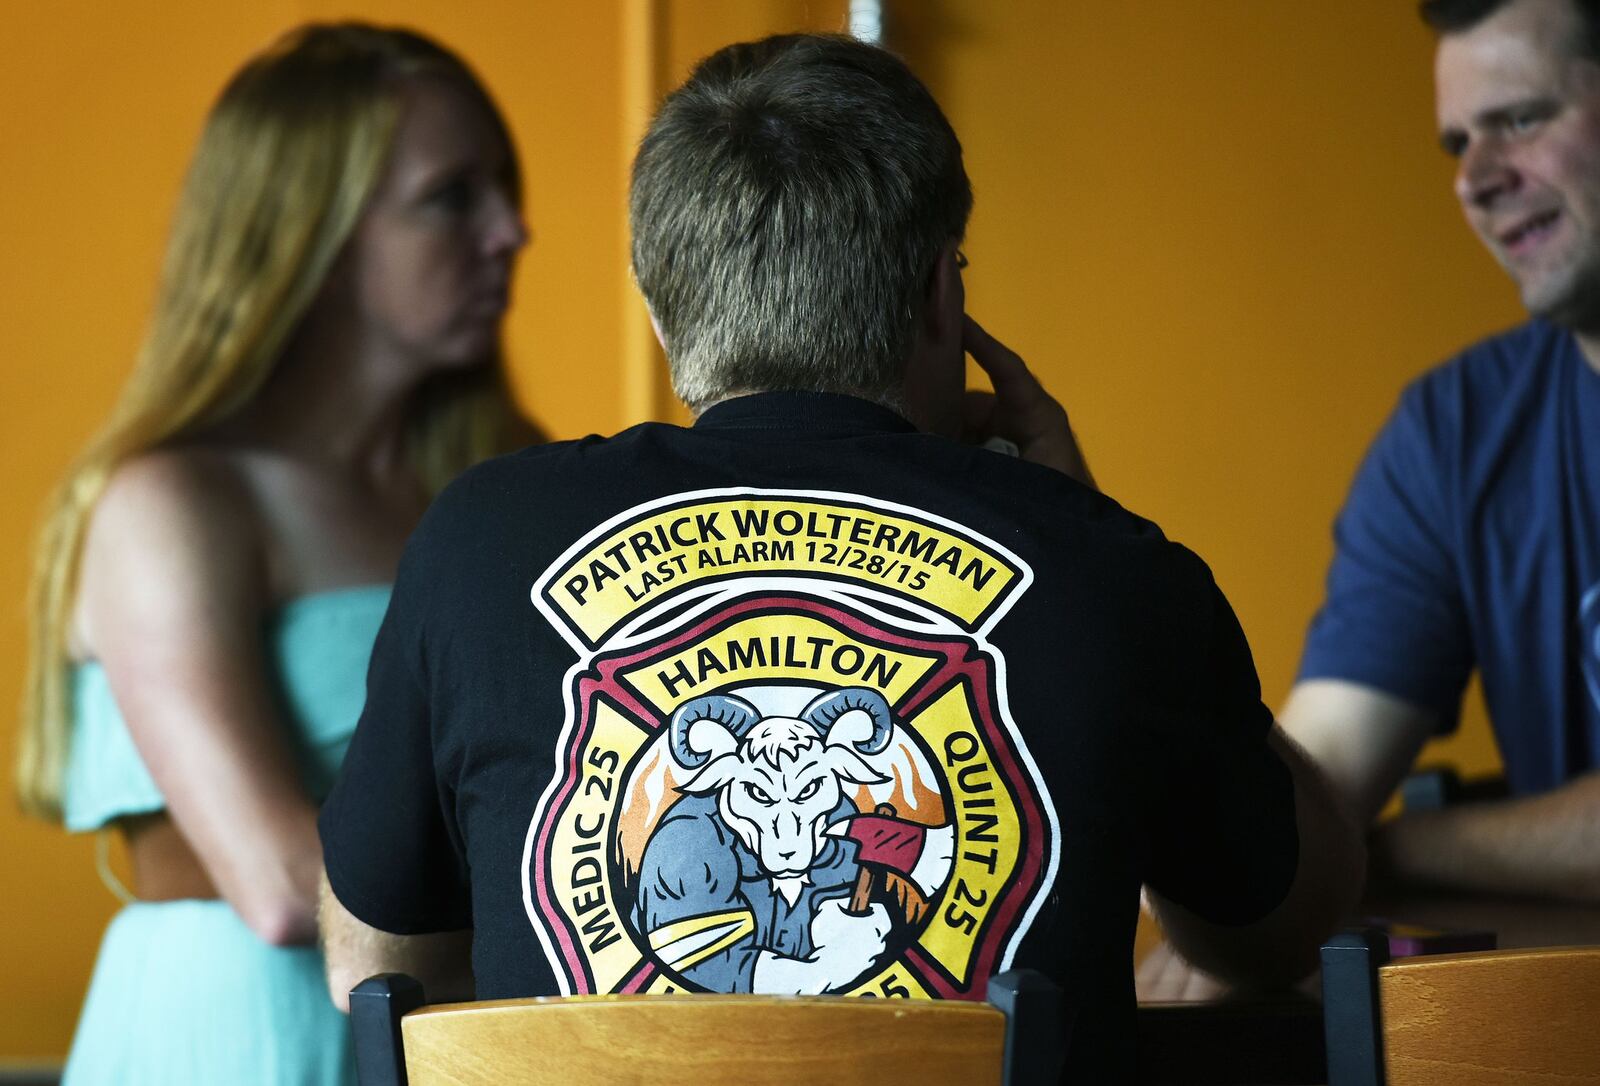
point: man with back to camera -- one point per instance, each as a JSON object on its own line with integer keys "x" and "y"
{"x": 811, "y": 697}
{"x": 1471, "y": 535}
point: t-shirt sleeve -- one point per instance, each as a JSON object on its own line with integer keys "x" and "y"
{"x": 1225, "y": 845}
{"x": 389, "y": 839}
{"x": 1394, "y": 618}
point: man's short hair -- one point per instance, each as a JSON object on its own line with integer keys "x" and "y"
{"x": 788, "y": 205}
{"x": 1455, "y": 16}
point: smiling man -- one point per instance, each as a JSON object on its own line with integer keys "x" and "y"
{"x": 1471, "y": 536}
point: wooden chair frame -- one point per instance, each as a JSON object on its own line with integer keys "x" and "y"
{"x": 1035, "y": 1038}
{"x": 1498, "y": 1016}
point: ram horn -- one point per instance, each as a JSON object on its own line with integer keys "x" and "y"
{"x": 826, "y": 709}
{"x": 734, "y": 714}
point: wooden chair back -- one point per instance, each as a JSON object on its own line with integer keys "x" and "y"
{"x": 708, "y": 1040}
{"x": 1484, "y": 1018}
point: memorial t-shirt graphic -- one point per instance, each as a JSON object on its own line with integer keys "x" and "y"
{"x": 787, "y": 763}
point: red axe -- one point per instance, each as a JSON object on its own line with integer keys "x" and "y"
{"x": 884, "y": 842}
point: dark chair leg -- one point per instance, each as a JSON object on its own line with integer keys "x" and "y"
{"x": 376, "y": 1007}
{"x": 1036, "y": 1030}
{"x": 1351, "y": 1015}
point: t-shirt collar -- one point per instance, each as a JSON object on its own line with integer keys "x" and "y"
{"x": 811, "y": 412}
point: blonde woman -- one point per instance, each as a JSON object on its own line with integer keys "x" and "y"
{"x": 323, "y": 356}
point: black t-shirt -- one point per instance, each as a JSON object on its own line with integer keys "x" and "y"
{"x": 803, "y": 700}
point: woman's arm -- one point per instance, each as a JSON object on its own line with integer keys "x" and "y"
{"x": 170, "y": 602}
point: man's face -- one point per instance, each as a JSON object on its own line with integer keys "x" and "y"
{"x": 1519, "y": 107}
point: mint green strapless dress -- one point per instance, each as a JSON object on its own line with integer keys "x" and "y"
{"x": 183, "y": 991}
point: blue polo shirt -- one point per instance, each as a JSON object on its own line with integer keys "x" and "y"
{"x": 1471, "y": 538}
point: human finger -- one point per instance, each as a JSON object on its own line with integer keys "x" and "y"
{"x": 1003, "y": 365}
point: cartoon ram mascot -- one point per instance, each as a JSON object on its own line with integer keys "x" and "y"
{"x": 750, "y": 883}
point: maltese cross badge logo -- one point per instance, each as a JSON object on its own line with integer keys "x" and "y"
{"x": 787, "y": 764}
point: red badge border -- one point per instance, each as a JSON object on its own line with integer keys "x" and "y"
{"x": 602, "y": 680}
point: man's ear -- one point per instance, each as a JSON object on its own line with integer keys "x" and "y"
{"x": 655, "y": 326}
{"x": 935, "y": 372}
{"x": 946, "y": 300}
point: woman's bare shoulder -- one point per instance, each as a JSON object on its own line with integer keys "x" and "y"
{"x": 178, "y": 497}
{"x": 174, "y": 528}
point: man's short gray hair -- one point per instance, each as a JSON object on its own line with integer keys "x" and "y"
{"x": 1457, "y": 16}
{"x": 788, "y": 205}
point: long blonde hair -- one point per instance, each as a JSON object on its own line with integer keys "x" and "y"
{"x": 288, "y": 159}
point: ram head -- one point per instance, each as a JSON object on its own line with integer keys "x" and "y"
{"x": 777, "y": 779}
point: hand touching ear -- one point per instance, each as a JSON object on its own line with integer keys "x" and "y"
{"x": 1019, "y": 409}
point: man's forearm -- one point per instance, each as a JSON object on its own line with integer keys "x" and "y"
{"x": 1540, "y": 846}
{"x": 355, "y": 951}
{"x": 1282, "y": 947}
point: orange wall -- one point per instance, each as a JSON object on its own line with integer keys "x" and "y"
{"x": 1223, "y": 232}
{"x": 1217, "y": 228}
